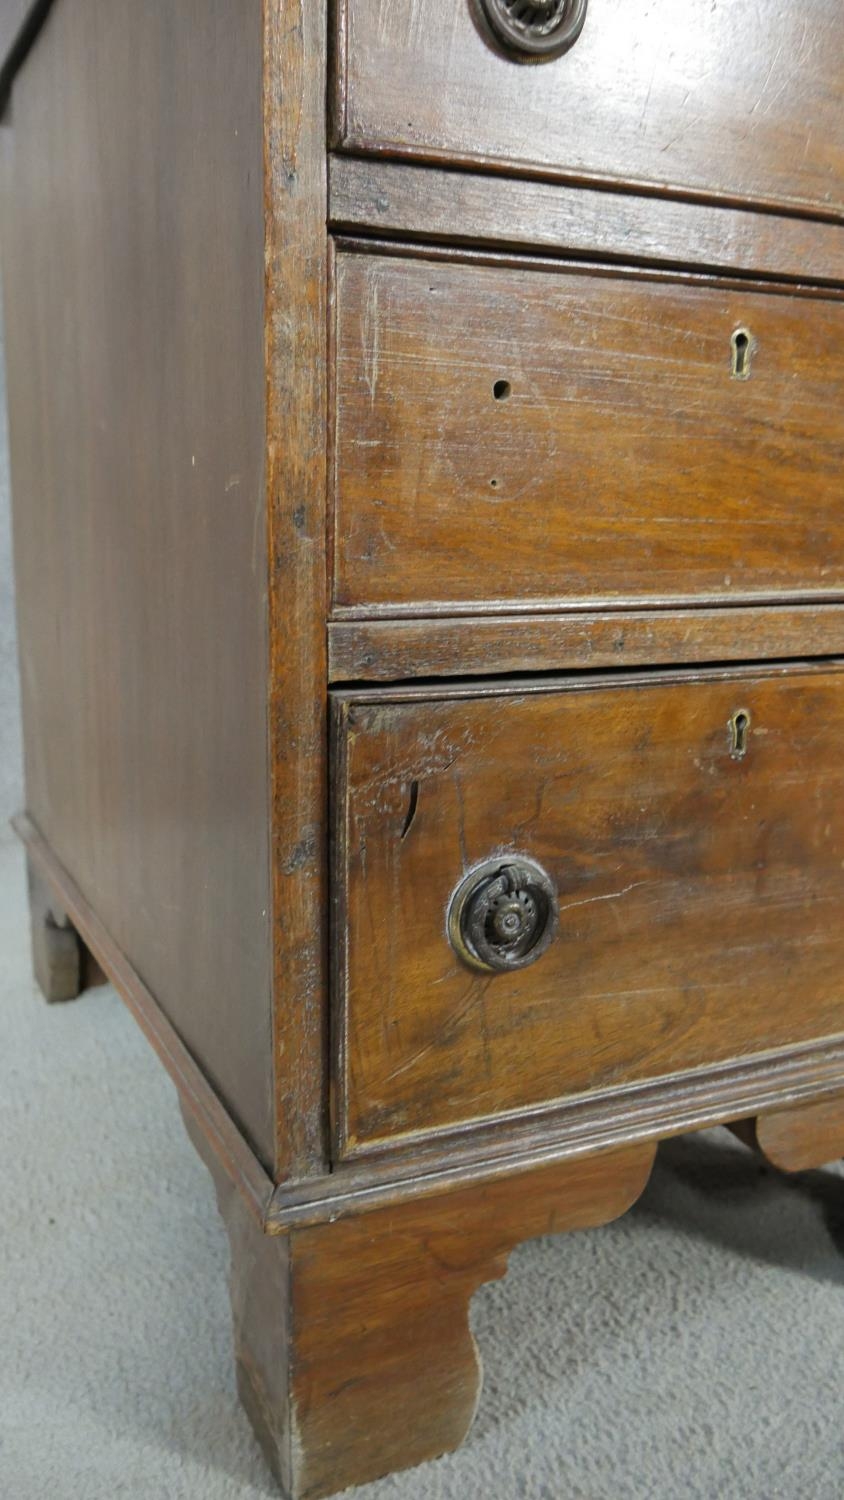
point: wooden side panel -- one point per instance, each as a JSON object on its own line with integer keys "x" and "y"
{"x": 133, "y": 257}
{"x": 740, "y": 100}
{"x": 521, "y": 435}
{"x": 699, "y": 889}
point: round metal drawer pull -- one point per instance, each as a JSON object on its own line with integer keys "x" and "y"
{"x": 535, "y": 30}
{"x": 503, "y": 915}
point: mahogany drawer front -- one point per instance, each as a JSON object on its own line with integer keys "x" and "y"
{"x": 738, "y": 101}
{"x": 529, "y": 436}
{"x": 698, "y": 886}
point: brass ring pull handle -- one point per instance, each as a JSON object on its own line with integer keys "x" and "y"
{"x": 535, "y": 30}
{"x": 503, "y": 915}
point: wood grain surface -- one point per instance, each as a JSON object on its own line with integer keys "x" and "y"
{"x": 133, "y": 264}
{"x": 798, "y": 1139}
{"x": 737, "y": 101}
{"x": 700, "y": 899}
{"x": 621, "y": 460}
{"x": 419, "y": 202}
{"x": 478, "y": 645}
{"x": 355, "y": 1356}
{"x": 569, "y": 400}
{"x": 295, "y": 188}
{"x": 211, "y": 1119}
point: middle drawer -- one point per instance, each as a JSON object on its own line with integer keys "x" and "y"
{"x": 525, "y": 436}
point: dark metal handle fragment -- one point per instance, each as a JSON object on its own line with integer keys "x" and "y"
{"x": 535, "y": 30}
{"x": 503, "y": 915}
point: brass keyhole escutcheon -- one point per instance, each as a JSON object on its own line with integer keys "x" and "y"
{"x": 739, "y": 728}
{"x": 742, "y": 351}
{"x": 503, "y": 915}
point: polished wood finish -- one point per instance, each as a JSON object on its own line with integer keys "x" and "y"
{"x": 501, "y": 643}
{"x": 296, "y": 331}
{"x": 624, "y": 461}
{"x": 355, "y": 1356}
{"x": 692, "y": 886}
{"x": 738, "y": 102}
{"x": 314, "y": 619}
{"x": 134, "y": 328}
{"x": 797, "y": 1139}
{"x": 454, "y": 207}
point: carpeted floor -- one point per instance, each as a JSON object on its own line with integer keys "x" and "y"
{"x": 691, "y": 1350}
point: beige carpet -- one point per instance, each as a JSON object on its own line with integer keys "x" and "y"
{"x": 692, "y": 1350}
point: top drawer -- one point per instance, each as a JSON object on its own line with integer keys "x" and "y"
{"x": 738, "y": 101}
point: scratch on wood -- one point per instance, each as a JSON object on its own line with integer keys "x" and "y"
{"x": 411, "y": 809}
{"x": 371, "y": 339}
{"x": 611, "y": 895}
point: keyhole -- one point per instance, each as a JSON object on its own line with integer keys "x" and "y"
{"x": 742, "y": 345}
{"x": 739, "y": 732}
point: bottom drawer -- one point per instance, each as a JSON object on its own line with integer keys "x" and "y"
{"x": 548, "y": 889}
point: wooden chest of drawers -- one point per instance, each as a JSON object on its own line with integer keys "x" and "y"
{"x": 427, "y": 437}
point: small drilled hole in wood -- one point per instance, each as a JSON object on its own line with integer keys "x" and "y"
{"x": 493, "y": 484}
{"x": 502, "y": 390}
{"x": 742, "y": 349}
{"x": 739, "y": 732}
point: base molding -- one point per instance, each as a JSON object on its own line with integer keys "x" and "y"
{"x": 736, "y": 1091}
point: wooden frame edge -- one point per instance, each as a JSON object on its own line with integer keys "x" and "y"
{"x": 444, "y": 203}
{"x": 362, "y": 144}
{"x": 568, "y": 641}
{"x": 296, "y": 321}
